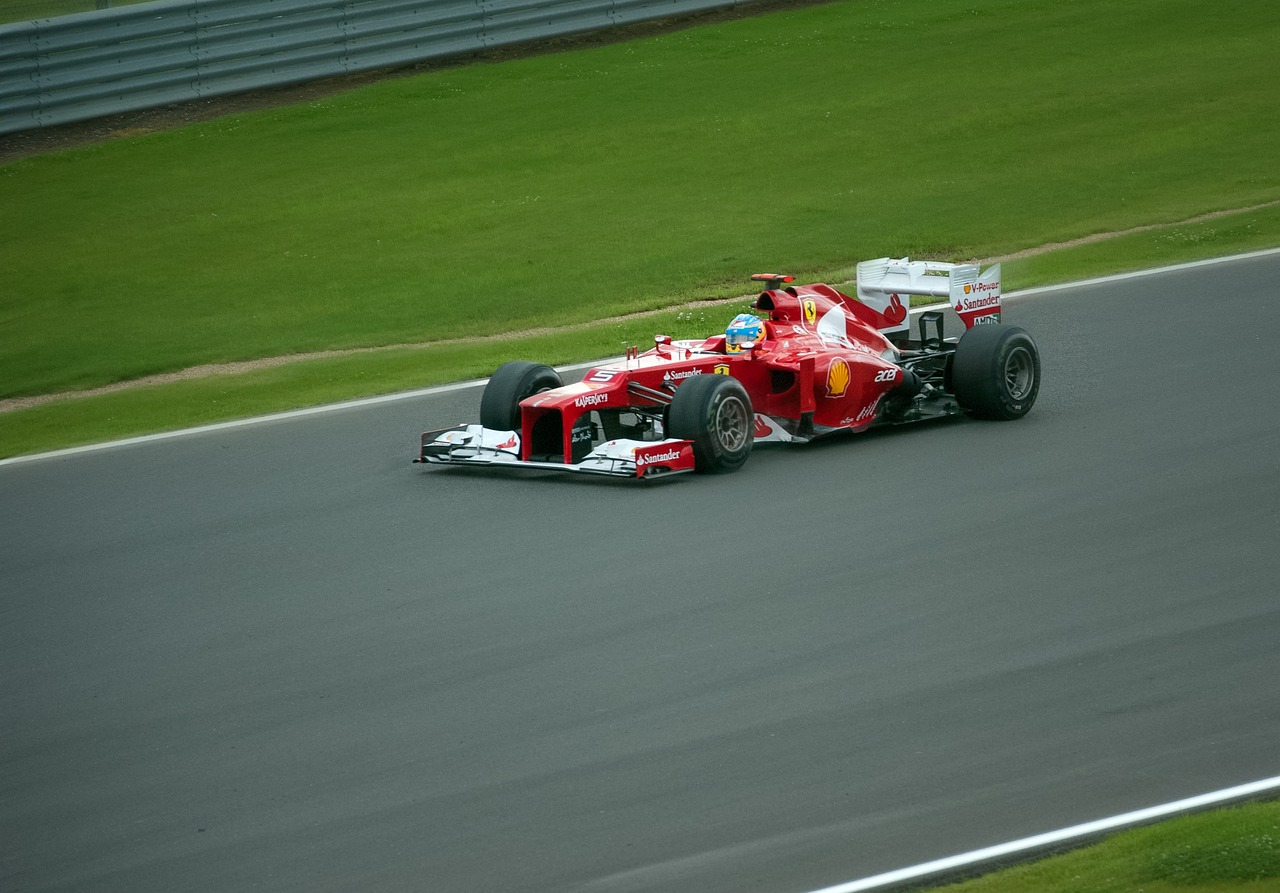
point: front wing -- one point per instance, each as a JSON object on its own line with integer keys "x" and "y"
{"x": 477, "y": 445}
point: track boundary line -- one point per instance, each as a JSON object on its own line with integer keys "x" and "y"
{"x": 441, "y": 389}
{"x": 1043, "y": 842}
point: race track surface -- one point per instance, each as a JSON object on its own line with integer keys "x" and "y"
{"x": 281, "y": 657}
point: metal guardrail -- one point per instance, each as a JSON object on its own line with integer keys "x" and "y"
{"x": 129, "y": 58}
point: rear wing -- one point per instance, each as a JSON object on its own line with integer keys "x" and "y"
{"x": 885, "y": 285}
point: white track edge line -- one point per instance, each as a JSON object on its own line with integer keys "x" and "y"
{"x": 258, "y": 420}
{"x": 1039, "y": 841}
{"x": 442, "y": 389}
{"x": 1138, "y": 274}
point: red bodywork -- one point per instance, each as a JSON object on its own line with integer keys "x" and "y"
{"x": 824, "y": 362}
{"x": 823, "y": 365}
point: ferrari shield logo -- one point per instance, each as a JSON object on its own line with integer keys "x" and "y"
{"x": 722, "y": 369}
{"x": 810, "y": 310}
{"x": 837, "y": 378}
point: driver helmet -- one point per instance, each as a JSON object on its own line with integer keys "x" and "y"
{"x": 745, "y": 329}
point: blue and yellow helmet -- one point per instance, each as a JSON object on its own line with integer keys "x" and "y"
{"x": 745, "y": 329}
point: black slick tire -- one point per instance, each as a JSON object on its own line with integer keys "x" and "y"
{"x": 500, "y": 403}
{"x": 713, "y": 411}
{"x": 995, "y": 373}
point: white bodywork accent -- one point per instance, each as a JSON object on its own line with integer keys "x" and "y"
{"x": 477, "y": 445}
{"x": 882, "y": 280}
{"x": 832, "y": 330}
{"x": 775, "y": 432}
{"x": 976, "y": 297}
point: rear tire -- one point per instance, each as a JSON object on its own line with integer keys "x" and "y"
{"x": 500, "y": 403}
{"x": 995, "y": 373}
{"x": 713, "y": 411}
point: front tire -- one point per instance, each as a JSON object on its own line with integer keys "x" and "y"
{"x": 713, "y": 411}
{"x": 995, "y": 373}
{"x": 500, "y": 403}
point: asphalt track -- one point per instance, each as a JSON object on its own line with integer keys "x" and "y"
{"x": 279, "y": 657}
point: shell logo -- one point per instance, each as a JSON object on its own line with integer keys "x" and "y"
{"x": 837, "y": 378}
{"x": 810, "y": 310}
{"x": 968, "y": 289}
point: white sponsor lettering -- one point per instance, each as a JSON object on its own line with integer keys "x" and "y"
{"x": 868, "y": 411}
{"x": 643, "y": 459}
{"x": 986, "y": 320}
{"x": 887, "y": 375}
{"x": 679, "y": 376}
{"x": 591, "y": 400}
{"x": 979, "y": 303}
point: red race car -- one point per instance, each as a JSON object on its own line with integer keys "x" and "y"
{"x": 808, "y": 361}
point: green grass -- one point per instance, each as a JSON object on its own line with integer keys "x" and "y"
{"x": 187, "y": 404}
{"x": 29, "y": 10}
{"x": 1177, "y": 243}
{"x": 570, "y": 187}
{"x": 1233, "y": 850}
{"x": 219, "y": 398}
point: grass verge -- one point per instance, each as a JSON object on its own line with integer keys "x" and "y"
{"x": 30, "y": 10}
{"x": 573, "y": 186}
{"x": 73, "y": 421}
{"x": 1234, "y": 850}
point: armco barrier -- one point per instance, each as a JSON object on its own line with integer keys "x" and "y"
{"x": 85, "y": 65}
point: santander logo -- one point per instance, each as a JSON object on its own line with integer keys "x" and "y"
{"x": 671, "y": 454}
{"x": 978, "y": 303}
{"x": 982, "y": 295}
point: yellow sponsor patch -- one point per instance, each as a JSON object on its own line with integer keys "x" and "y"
{"x": 837, "y": 378}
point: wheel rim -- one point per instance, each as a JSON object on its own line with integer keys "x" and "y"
{"x": 731, "y": 427}
{"x": 1019, "y": 374}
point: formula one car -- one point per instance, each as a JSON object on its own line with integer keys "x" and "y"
{"x": 807, "y": 362}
